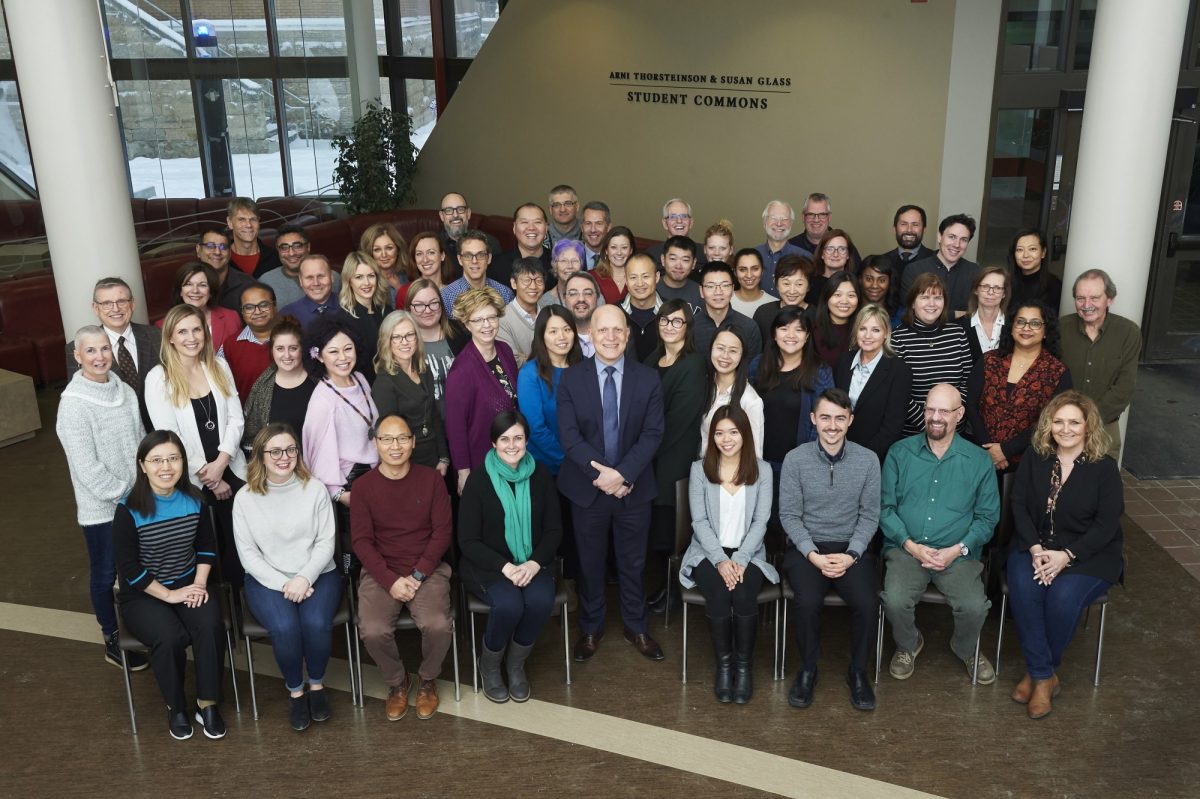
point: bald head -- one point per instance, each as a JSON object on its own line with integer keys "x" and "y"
{"x": 943, "y": 412}
{"x": 610, "y": 333}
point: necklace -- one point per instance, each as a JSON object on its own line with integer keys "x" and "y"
{"x": 209, "y": 424}
{"x": 368, "y": 417}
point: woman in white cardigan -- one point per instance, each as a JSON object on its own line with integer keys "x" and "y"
{"x": 729, "y": 493}
{"x": 192, "y": 393}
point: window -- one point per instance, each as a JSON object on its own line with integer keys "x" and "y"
{"x": 1018, "y": 181}
{"x": 159, "y": 123}
{"x": 317, "y": 110}
{"x": 473, "y": 21}
{"x": 229, "y": 29}
{"x": 310, "y": 28}
{"x": 145, "y": 30}
{"x": 14, "y": 147}
{"x": 1034, "y": 35}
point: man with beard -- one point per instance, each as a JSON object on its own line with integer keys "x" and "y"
{"x": 778, "y": 218}
{"x": 954, "y": 234}
{"x": 908, "y": 224}
{"x": 213, "y": 249}
{"x": 291, "y": 242}
{"x": 473, "y": 257}
{"x": 455, "y": 214}
{"x": 940, "y": 505}
{"x": 581, "y": 295}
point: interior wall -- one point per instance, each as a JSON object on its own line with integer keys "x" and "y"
{"x": 860, "y": 116}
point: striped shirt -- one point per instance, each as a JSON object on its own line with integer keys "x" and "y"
{"x": 166, "y": 545}
{"x": 935, "y": 355}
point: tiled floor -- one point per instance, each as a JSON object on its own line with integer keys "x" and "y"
{"x": 1169, "y": 511}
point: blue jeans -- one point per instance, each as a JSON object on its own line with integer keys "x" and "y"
{"x": 301, "y": 633}
{"x": 518, "y": 613}
{"x": 1046, "y": 616}
{"x": 102, "y": 573}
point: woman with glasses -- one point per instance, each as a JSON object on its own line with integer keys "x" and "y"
{"x": 481, "y": 383}
{"x": 835, "y": 311}
{"x": 196, "y": 285}
{"x": 985, "y": 320}
{"x": 442, "y": 338}
{"x": 681, "y": 370}
{"x": 426, "y": 260}
{"x": 615, "y": 249}
{"x": 833, "y": 253}
{"x": 404, "y": 387}
{"x": 387, "y": 247}
{"x": 164, "y": 549}
{"x": 1007, "y": 392}
{"x": 192, "y": 394}
{"x": 283, "y": 524}
{"x": 567, "y": 258}
{"x": 282, "y": 392}
{"x": 365, "y": 298}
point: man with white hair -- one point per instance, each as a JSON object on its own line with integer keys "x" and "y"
{"x": 778, "y": 218}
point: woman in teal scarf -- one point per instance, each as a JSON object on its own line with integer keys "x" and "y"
{"x": 509, "y": 529}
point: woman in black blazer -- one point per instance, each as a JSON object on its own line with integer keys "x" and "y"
{"x": 985, "y": 321}
{"x": 1067, "y": 502}
{"x": 881, "y": 404}
{"x": 509, "y": 528}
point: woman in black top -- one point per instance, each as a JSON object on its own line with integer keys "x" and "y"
{"x": 1031, "y": 279}
{"x": 877, "y": 381}
{"x": 509, "y": 529}
{"x": 835, "y": 311}
{"x": 793, "y": 274}
{"x": 1067, "y": 502}
{"x": 282, "y": 392}
{"x": 404, "y": 386}
{"x": 366, "y": 299}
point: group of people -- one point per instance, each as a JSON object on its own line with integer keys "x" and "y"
{"x": 527, "y": 415}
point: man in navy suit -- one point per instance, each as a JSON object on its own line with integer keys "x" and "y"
{"x": 610, "y": 421}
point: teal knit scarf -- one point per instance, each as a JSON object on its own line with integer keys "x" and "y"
{"x": 518, "y": 514}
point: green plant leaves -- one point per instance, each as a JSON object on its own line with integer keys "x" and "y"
{"x": 377, "y": 162}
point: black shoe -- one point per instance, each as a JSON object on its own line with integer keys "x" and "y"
{"x": 298, "y": 713}
{"x": 112, "y": 654}
{"x": 861, "y": 694}
{"x": 210, "y": 719}
{"x": 801, "y": 693}
{"x": 178, "y": 724}
{"x": 668, "y": 596}
{"x": 318, "y": 705}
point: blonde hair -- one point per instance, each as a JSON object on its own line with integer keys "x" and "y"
{"x": 178, "y": 391}
{"x": 722, "y": 227}
{"x": 384, "y": 362}
{"x": 472, "y": 300}
{"x": 366, "y": 243}
{"x": 1096, "y": 439}
{"x": 873, "y": 310}
{"x": 379, "y": 299}
{"x": 256, "y": 470}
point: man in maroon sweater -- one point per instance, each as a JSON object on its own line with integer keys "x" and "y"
{"x": 400, "y": 528}
{"x": 249, "y": 352}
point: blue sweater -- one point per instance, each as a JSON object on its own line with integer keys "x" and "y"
{"x": 539, "y": 405}
{"x": 166, "y": 545}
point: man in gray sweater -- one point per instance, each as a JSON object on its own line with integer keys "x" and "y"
{"x": 829, "y": 508}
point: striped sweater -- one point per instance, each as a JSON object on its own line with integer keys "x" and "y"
{"x": 935, "y": 355}
{"x": 165, "y": 546}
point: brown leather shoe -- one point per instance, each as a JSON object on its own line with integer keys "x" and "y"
{"x": 587, "y": 645}
{"x": 427, "y": 698}
{"x": 1023, "y": 691}
{"x": 646, "y": 646}
{"x": 1039, "y": 702}
{"x": 396, "y": 704}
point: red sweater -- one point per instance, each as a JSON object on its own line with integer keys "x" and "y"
{"x": 247, "y": 360}
{"x": 397, "y": 526}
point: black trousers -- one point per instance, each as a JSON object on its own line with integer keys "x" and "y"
{"x": 230, "y": 564}
{"x": 627, "y": 527}
{"x": 859, "y": 587}
{"x": 169, "y": 630}
{"x": 719, "y": 601}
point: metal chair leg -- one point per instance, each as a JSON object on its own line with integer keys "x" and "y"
{"x": 667, "y": 612}
{"x": 474, "y": 658}
{"x": 250, "y": 669}
{"x": 879, "y": 645}
{"x": 355, "y": 687}
{"x": 454, "y": 646}
{"x": 975, "y": 662}
{"x": 778, "y": 673}
{"x": 237, "y": 702}
{"x": 358, "y": 664}
{"x": 1000, "y": 631}
{"x": 783, "y": 646}
{"x": 685, "y": 641}
{"x": 1100, "y": 644}
{"x": 566, "y": 643}
{"x": 128, "y": 691}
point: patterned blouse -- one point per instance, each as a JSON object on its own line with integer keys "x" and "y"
{"x": 1010, "y": 411}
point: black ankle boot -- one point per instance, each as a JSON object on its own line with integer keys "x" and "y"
{"x": 745, "y": 630}
{"x": 721, "y": 632}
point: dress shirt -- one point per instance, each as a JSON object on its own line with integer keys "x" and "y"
{"x": 771, "y": 260}
{"x": 114, "y": 339}
{"x": 618, "y": 376}
{"x": 986, "y": 344}
{"x": 1104, "y": 369}
{"x": 305, "y": 310}
{"x": 860, "y": 373}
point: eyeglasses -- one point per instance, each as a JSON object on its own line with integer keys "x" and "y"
{"x": 388, "y": 441}
{"x": 279, "y": 453}
{"x": 454, "y": 210}
{"x": 575, "y": 294}
{"x": 815, "y": 215}
{"x": 474, "y": 257}
{"x": 568, "y": 262}
{"x": 677, "y": 217}
{"x": 423, "y": 307}
{"x": 726, "y": 286}
{"x": 483, "y": 321}
{"x": 837, "y": 249}
{"x": 992, "y": 289}
{"x": 109, "y": 305}
{"x": 215, "y": 246}
{"x": 1032, "y": 324}
{"x": 936, "y": 412}
{"x": 159, "y": 461}
{"x": 404, "y": 338}
{"x": 564, "y": 205}
{"x": 779, "y": 220}
{"x": 296, "y": 247}
{"x": 258, "y": 307}
{"x": 525, "y": 281}
{"x": 673, "y": 322}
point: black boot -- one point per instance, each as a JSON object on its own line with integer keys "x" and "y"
{"x": 745, "y": 630}
{"x": 668, "y": 595}
{"x": 721, "y": 632}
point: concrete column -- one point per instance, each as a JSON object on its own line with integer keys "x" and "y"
{"x": 1123, "y": 146}
{"x": 70, "y": 100}
{"x": 361, "y": 51}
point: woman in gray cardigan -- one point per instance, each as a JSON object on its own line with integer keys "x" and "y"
{"x": 730, "y": 497}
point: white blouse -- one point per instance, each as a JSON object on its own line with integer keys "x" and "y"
{"x": 733, "y": 518}
{"x": 751, "y": 403}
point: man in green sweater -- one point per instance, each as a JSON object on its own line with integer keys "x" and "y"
{"x": 940, "y": 505}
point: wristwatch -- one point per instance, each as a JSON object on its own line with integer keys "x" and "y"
{"x": 965, "y": 551}
{"x": 418, "y": 576}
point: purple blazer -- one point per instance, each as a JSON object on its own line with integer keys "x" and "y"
{"x": 473, "y": 398}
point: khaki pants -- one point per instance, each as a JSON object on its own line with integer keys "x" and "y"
{"x": 430, "y": 609}
{"x": 1114, "y": 430}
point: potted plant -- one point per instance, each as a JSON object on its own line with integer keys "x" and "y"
{"x": 376, "y": 163}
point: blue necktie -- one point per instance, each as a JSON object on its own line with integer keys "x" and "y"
{"x": 610, "y": 416}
